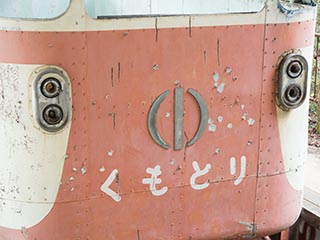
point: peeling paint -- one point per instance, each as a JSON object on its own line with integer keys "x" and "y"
{"x": 216, "y": 76}
{"x": 83, "y": 170}
{"x": 220, "y": 88}
{"x": 251, "y": 227}
{"x": 218, "y": 151}
{"x": 244, "y": 116}
{"x": 155, "y": 67}
{"x": 110, "y": 153}
{"x": 228, "y": 70}
{"x": 251, "y": 121}
{"x": 212, "y": 127}
{"x": 167, "y": 115}
{"x": 177, "y": 83}
{"x": 102, "y": 169}
{"x": 220, "y": 119}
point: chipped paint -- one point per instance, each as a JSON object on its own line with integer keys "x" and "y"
{"x": 212, "y": 128}
{"x": 251, "y": 227}
{"x": 217, "y": 151}
{"x": 244, "y": 116}
{"x": 216, "y": 76}
{"x": 251, "y": 121}
{"x": 229, "y": 125}
{"x": 83, "y": 170}
{"x": 102, "y": 169}
{"x": 228, "y": 70}
{"x": 220, "y": 119}
{"x": 110, "y": 153}
{"x": 220, "y": 88}
{"x": 155, "y": 67}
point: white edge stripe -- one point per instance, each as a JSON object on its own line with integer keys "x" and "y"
{"x": 77, "y": 20}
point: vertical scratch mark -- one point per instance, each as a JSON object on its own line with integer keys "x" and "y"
{"x": 190, "y": 34}
{"x": 218, "y": 51}
{"x": 138, "y": 234}
{"x": 119, "y": 71}
{"x": 114, "y": 120}
{"x": 157, "y": 30}
{"x": 205, "y": 57}
{"x": 118, "y": 182}
{"x": 185, "y": 147}
{"x": 112, "y": 81}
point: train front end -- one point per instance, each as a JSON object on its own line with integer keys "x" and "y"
{"x": 153, "y": 119}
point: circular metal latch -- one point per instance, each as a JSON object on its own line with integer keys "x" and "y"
{"x": 292, "y": 80}
{"x": 51, "y": 98}
{"x": 53, "y": 114}
{"x": 293, "y": 95}
{"x": 50, "y": 87}
{"x": 294, "y": 69}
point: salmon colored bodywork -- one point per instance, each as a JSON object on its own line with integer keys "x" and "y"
{"x": 117, "y": 182}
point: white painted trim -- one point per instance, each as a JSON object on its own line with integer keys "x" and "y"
{"x": 32, "y": 161}
{"x": 76, "y": 19}
{"x": 105, "y": 8}
{"x": 293, "y": 129}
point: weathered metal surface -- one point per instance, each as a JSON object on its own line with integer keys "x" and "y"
{"x": 178, "y": 118}
{"x": 112, "y": 181}
{"x": 152, "y": 120}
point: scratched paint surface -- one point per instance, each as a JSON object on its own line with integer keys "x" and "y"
{"x": 117, "y": 183}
